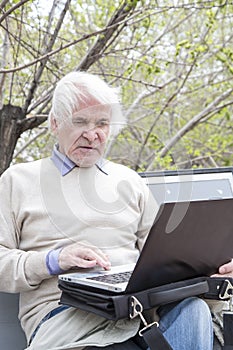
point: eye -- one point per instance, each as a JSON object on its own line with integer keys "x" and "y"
{"x": 103, "y": 122}
{"x": 80, "y": 121}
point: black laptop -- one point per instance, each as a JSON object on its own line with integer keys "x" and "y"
{"x": 187, "y": 240}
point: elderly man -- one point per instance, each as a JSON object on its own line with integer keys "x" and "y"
{"x": 76, "y": 209}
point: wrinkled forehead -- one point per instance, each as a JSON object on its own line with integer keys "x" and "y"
{"x": 92, "y": 109}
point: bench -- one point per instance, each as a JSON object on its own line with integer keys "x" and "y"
{"x": 165, "y": 186}
{"x": 11, "y": 335}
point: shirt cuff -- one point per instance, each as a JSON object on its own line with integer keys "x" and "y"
{"x": 52, "y": 262}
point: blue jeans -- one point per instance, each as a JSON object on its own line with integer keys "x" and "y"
{"x": 188, "y": 325}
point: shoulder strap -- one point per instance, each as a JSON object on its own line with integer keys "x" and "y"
{"x": 154, "y": 338}
{"x": 228, "y": 330}
{"x": 151, "y": 332}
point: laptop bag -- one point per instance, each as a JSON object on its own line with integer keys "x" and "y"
{"x": 116, "y": 306}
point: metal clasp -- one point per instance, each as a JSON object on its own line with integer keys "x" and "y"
{"x": 136, "y": 309}
{"x": 227, "y": 293}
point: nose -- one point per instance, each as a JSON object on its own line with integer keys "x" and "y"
{"x": 91, "y": 134}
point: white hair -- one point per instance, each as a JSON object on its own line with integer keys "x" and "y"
{"x": 77, "y": 87}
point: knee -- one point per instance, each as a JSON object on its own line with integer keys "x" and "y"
{"x": 198, "y": 311}
{"x": 195, "y": 305}
{"x": 193, "y": 311}
{"x": 189, "y": 321}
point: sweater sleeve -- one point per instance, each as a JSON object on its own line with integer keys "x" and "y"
{"x": 149, "y": 209}
{"x": 19, "y": 270}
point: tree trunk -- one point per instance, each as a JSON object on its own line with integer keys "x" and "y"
{"x": 13, "y": 123}
{"x": 10, "y": 130}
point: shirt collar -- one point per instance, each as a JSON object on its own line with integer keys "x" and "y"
{"x": 65, "y": 164}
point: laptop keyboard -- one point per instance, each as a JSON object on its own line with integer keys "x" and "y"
{"x": 115, "y": 278}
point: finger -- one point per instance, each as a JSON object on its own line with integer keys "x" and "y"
{"x": 89, "y": 262}
{"x": 226, "y": 268}
{"x": 106, "y": 264}
{"x": 82, "y": 255}
{"x": 101, "y": 259}
{"x": 79, "y": 262}
{"x": 91, "y": 249}
{"x": 86, "y": 245}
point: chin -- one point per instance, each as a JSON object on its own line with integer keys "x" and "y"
{"x": 85, "y": 163}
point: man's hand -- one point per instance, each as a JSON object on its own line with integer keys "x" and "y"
{"x": 82, "y": 254}
{"x": 225, "y": 270}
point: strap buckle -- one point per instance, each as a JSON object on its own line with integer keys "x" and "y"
{"x": 146, "y": 327}
{"x": 226, "y": 291}
{"x": 136, "y": 309}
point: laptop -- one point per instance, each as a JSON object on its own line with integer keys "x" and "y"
{"x": 187, "y": 240}
{"x": 190, "y": 184}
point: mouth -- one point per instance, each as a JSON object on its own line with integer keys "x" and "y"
{"x": 87, "y": 149}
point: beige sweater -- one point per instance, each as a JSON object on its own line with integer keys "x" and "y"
{"x": 40, "y": 210}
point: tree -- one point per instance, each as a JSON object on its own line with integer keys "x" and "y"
{"x": 191, "y": 65}
{"x": 173, "y": 62}
{"x": 14, "y": 120}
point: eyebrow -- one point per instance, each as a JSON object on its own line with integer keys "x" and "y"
{"x": 103, "y": 119}
{"x": 82, "y": 119}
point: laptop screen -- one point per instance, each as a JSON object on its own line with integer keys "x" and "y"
{"x": 172, "y": 186}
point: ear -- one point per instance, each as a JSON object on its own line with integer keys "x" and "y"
{"x": 53, "y": 125}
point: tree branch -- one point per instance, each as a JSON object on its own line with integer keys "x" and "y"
{"x": 43, "y": 62}
{"x": 40, "y": 133}
{"x": 117, "y": 20}
{"x": 12, "y": 9}
{"x": 194, "y": 121}
{"x": 64, "y": 47}
{"x": 54, "y": 52}
{"x": 31, "y": 122}
{"x": 5, "y": 49}
{"x": 3, "y": 3}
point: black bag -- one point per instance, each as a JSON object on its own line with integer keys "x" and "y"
{"x": 116, "y": 306}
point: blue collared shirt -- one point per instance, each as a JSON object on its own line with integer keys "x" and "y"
{"x": 65, "y": 165}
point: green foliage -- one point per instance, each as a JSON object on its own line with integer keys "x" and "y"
{"x": 170, "y": 62}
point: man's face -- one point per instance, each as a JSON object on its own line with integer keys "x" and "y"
{"x": 83, "y": 138}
